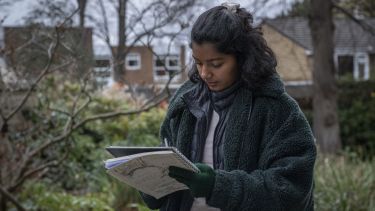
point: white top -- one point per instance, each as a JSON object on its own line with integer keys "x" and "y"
{"x": 199, "y": 204}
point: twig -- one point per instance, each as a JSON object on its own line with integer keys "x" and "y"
{"x": 51, "y": 52}
{"x": 361, "y": 23}
{"x": 38, "y": 169}
{"x": 11, "y": 198}
{"x": 118, "y": 113}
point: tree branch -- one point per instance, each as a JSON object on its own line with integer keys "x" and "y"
{"x": 38, "y": 169}
{"x": 361, "y": 23}
{"x": 51, "y": 53}
{"x": 11, "y": 198}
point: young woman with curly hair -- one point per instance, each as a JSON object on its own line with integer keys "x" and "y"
{"x": 234, "y": 120}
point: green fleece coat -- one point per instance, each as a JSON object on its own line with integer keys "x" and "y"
{"x": 269, "y": 151}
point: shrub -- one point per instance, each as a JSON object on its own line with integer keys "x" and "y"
{"x": 344, "y": 183}
{"x": 39, "y": 196}
{"x": 356, "y": 111}
{"x": 357, "y": 116}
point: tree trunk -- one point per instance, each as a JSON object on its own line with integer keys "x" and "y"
{"x": 3, "y": 205}
{"x": 325, "y": 119}
{"x": 119, "y": 72}
{"x": 82, "y": 9}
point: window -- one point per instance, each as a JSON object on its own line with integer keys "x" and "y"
{"x": 361, "y": 68}
{"x": 102, "y": 72}
{"x": 166, "y": 66}
{"x": 160, "y": 67}
{"x": 133, "y": 61}
{"x": 173, "y": 61}
{"x": 159, "y": 62}
{"x": 345, "y": 66}
{"x": 353, "y": 66}
{"x": 102, "y": 67}
{"x": 103, "y": 81}
{"x": 102, "y": 63}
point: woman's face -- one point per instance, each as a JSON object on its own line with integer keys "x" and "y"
{"x": 218, "y": 70}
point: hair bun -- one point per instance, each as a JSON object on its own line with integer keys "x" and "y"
{"x": 232, "y": 7}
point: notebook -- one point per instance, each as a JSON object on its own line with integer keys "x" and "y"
{"x": 146, "y": 168}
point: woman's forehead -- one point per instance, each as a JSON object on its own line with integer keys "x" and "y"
{"x": 206, "y": 51}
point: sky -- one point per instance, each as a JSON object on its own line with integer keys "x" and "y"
{"x": 14, "y": 15}
{"x": 20, "y": 8}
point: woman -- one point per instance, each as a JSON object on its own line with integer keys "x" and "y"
{"x": 233, "y": 118}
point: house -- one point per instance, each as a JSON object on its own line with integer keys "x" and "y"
{"x": 290, "y": 39}
{"x": 144, "y": 67}
{"x": 26, "y": 50}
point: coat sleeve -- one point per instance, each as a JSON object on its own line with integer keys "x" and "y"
{"x": 284, "y": 179}
{"x": 152, "y": 202}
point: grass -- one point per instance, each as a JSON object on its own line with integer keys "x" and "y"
{"x": 344, "y": 183}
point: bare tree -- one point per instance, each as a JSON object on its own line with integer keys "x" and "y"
{"x": 120, "y": 52}
{"x": 23, "y": 149}
{"x": 137, "y": 24}
{"x": 364, "y": 8}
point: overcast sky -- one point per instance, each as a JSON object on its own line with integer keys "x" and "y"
{"x": 14, "y": 14}
{"x": 16, "y": 11}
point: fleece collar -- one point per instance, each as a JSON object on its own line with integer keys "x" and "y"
{"x": 273, "y": 87}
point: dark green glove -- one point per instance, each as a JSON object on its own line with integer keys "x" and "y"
{"x": 200, "y": 184}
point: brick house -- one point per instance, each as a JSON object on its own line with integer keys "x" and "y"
{"x": 26, "y": 50}
{"x": 143, "y": 67}
{"x": 290, "y": 39}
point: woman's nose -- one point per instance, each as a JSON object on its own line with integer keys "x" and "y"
{"x": 205, "y": 72}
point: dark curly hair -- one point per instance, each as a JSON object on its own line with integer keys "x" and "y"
{"x": 233, "y": 33}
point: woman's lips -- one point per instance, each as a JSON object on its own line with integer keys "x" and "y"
{"x": 211, "y": 83}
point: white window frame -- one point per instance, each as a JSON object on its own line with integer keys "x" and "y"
{"x": 100, "y": 69}
{"x": 358, "y": 59}
{"x": 166, "y": 59}
{"x": 130, "y": 57}
{"x": 169, "y": 58}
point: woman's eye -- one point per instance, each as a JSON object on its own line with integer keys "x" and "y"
{"x": 216, "y": 65}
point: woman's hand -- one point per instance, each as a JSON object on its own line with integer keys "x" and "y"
{"x": 200, "y": 184}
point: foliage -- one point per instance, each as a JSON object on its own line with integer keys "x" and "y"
{"x": 356, "y": 111}
{"x": 344, "y": 183}
{"x": 366, "y": 8}
{"x": 81, "y": 176}
{"x": 299, "y": 8}
{"x": 84, "y": 170}
{"x": 40, "y": 196}
{"x": 125, "y": 196}
{"x": 357, "y": 115}
{"x": 144, "y": 129}
{"x": 81, "y": 183}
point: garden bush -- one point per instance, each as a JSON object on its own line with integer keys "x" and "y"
{"x": 357, "y": 116}
{"x": 42, "y": 197}
{"x": 81, "y": 177}
{"x": 345, "y": 182}
{"x": 81, "y": 182}
{"x": 356, "y": 111}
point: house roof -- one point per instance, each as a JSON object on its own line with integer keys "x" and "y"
{"x": 349, "y": 36}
